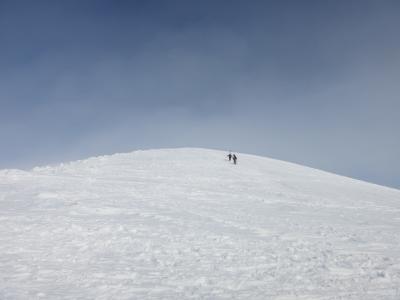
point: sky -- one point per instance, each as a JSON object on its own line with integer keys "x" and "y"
{"x": 311, "y": 82}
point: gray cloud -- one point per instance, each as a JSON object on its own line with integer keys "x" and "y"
{"x": 309, "y": 82}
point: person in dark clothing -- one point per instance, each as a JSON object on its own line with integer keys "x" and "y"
{"x": 234, "y": 159}
{"x": 230, "y": 156}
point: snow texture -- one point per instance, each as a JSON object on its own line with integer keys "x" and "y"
{"x": 188, "y": 224}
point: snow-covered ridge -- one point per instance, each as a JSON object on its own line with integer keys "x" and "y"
{"x": 196, "y": 153}
{"x": 186, "y": 223}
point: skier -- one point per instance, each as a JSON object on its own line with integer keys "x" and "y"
{"x": 234, "y": 159}
{"x": 229, "y": 156}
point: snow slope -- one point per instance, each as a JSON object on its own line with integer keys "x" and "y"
{"x": 187, "y": 224}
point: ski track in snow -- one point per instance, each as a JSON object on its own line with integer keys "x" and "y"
{"x": 187, "y": 224}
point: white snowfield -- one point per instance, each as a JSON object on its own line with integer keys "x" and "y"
{"x": 188, "y": 224}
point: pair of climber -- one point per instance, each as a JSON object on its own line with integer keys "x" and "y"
{"x": 232, "y": 157}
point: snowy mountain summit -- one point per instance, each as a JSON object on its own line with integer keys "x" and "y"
{"x": 188, "y": 224}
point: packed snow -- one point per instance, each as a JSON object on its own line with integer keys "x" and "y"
{"x": 189, "y": 224}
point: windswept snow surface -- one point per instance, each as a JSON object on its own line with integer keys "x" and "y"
{"x": 187, "y": 224}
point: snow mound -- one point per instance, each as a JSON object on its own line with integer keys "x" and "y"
{"x": 188, "y": 224}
